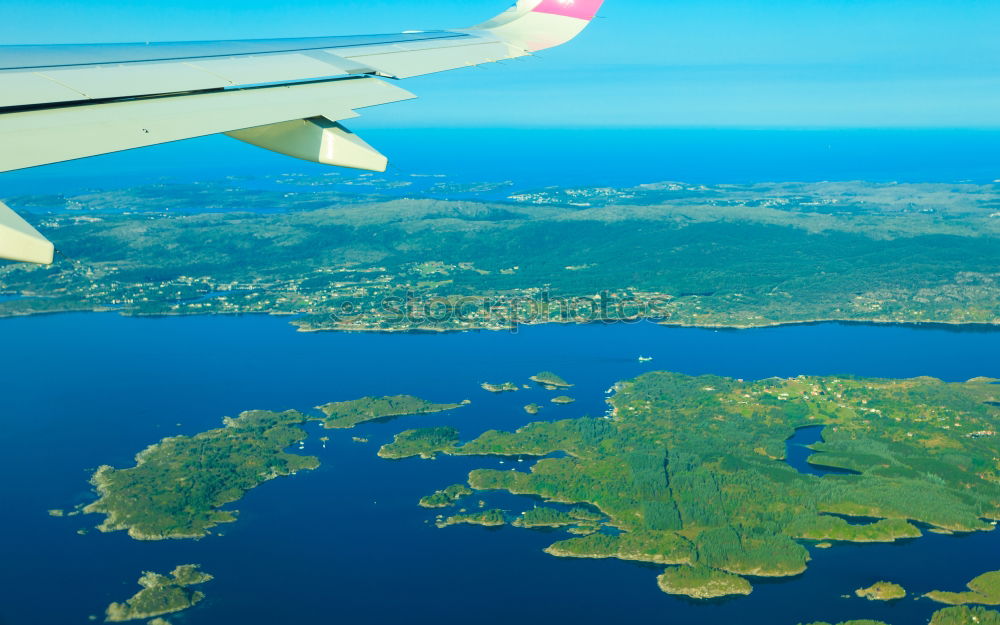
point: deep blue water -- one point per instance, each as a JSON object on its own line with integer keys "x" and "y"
{"x": 537, "y": 157}
{"x": 347, "y": 543}
{"x": 798, "y": 451}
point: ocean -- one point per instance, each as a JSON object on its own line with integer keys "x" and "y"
{"x": 534, "y": 158}
{"x": 347, "y": 543}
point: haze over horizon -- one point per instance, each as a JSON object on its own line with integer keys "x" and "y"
{"x": 716, "y": 63}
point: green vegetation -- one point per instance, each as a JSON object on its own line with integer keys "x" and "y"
{"x": 836, "y": 251}
{"x": 966, "y": 616}
{"x": 691, "y": 469}
{"x": 532, "y": 409}
{"x": 882, "y": 591}
{"x": 489, "y": 518}
{"x": 702, "y": 582}
{"x": 547, "y": 378}
{"x": 446, "y": 497}
{"x": 347, "y": 414}
{"x": 583, "y": 514}
{"x": 656, "y": 547}
{"x": 563, "y": 399}
{"x": 984, "y": 590}
{"x": 177, "y": 487}
{"x": 161, "y": 594}
{"x": 426, "y": 443}
{"x": 825, "y": 528}
{"x": 544, "y": 516}
{"x": 499, "y": 388}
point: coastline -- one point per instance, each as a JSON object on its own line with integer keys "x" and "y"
{"x": 957, "y": 326}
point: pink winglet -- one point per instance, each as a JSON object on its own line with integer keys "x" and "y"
{"x": 582, "y": 9}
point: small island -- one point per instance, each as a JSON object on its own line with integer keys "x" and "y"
{"x": 532, "y": 409}
{"x": 547, "y": 378}
{"x": 702, "y": 582}
{"x": 161, "y": 594}
{"x": 882, "y": 591}
{"x": 488, "y": 518}
{"x": 506, "y": 387}
{"x": 983, "y": 590}
{"x": 445, "y": 497}
{"x": 563, "y": 399}
{"x": 347, "y": 414}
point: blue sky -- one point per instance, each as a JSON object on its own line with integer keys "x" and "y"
{"x": 668, "y": 63}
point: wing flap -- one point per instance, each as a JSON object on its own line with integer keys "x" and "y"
{"x": 27, "y": 88}
{"x": 409, "y": 63}
{"x": 31, "y": 138}
{"x": 251, "y": 70}
{"x": 117, "y": 81}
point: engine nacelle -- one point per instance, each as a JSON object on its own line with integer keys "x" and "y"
{"x": 315, "y": 139}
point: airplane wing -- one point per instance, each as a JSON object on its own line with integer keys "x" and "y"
{"x": 64, "y": 102}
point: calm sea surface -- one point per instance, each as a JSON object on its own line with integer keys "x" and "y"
{"x": 532, "y": 158}
{"x": 347, "y": 543}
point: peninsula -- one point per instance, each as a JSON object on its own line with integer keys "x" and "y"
{"x": 178, "y": 487}
{"x": 446, "y": 497}
{"x": 947, "y": 616}
{"x": 983, "y": 590}
{"x": 691, "y": 470}
{"x": 700, "y": 582}
{"x": 347, "y": 414}
{"x": 487, "y": 518}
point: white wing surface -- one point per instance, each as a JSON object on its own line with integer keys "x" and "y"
{"x": 64, "y": 102}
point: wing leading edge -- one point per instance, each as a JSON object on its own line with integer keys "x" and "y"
{"x": 65, "y": 102}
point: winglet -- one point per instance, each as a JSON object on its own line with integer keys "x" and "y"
{"x": 538, "y": 24}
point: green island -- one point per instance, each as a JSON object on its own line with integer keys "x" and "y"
{"x": 347, "y": 414}
{"x": 983, "y": 590}
{"x": 445, "y": 497}
{"x": 882, "y": 591}
{"x": 161, "y": 594}
{"x": 691, "y": 469}
{"x": 948, "y": 616}
{"x": 702, "y": 582}
{"x": 563, "y": 399}
{"x": 547, "y": 378}
{"x": 178, "y": 486}
{"x": 488, "y": 518}
{"x": 532, "y": 409}
{"x": 506, "y": 387}
{"x": 343, "y": 260}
